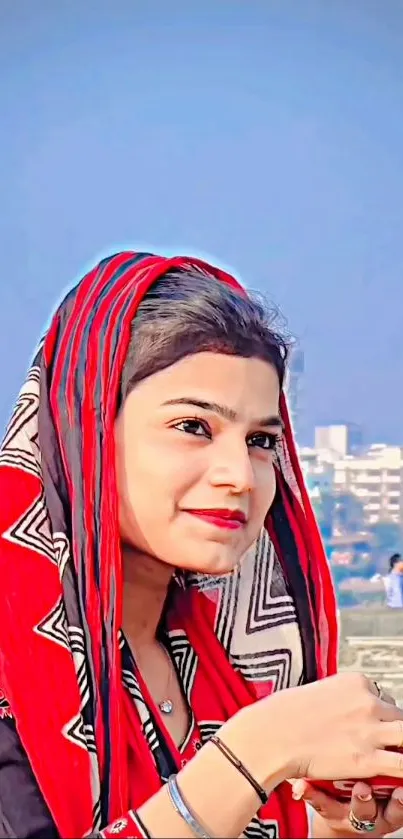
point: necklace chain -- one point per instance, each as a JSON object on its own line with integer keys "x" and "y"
{"x": 166, "y": 705}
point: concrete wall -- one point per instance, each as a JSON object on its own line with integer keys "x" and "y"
{"x": 372, "y": 643}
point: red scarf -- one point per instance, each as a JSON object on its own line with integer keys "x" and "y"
{"x": 60, "y": 565}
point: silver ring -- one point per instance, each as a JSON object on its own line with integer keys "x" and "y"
{"x": 361, "y": 825}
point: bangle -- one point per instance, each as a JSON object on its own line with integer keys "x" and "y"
{"x": 180, "y": 806}
{"x": 241, "y": 768}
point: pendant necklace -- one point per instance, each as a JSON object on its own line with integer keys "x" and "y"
{"x": 166, "y": 705}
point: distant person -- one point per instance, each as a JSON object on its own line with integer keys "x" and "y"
{"x": 394, "y": 582}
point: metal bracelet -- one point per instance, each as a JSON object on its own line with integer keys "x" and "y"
{"x": 182, "y": 809}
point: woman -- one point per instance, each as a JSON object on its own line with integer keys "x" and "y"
{"x": 149, "y": 452}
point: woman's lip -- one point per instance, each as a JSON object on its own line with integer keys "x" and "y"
{"x": 219, "y": 518}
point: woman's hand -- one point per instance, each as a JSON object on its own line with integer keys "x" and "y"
{"x": 331, "y": 818}
{"x": 334, "y": 728}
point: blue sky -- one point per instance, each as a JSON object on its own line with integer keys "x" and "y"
{"x": 266, "y": 135}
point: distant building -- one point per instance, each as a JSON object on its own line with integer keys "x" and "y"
{"x": 319, "y": 472}
{"x": 342, "y": 439}
{"x": 294, "y": 389}
{"x": 376, "y": 479}
{"x": 374, "y": 475}
{"x": 339, "y": 513}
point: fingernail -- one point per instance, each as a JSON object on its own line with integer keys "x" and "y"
{"x": 397, "y": 795}
{"x": 366, "y": 797}
{"x": 298, "y": 790}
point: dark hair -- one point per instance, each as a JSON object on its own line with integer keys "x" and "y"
{"x": 394, "y": 559}
{"x": 190, "y": 311}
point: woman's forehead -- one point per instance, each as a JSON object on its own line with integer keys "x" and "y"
{"x": 242, "y": 386}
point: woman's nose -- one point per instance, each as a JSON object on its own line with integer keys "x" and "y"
{"x": 232, "y": 467}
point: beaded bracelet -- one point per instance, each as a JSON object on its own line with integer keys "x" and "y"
{"x": 180, "y": 806}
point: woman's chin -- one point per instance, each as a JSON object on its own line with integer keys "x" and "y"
{"x": 214, "y": 562}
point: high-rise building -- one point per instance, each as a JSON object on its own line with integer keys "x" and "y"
{"x": 341, "y": 439}
{"x": 294, "y": 388}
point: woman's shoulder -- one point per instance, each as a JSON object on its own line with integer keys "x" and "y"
{"x": 23, "y": 811}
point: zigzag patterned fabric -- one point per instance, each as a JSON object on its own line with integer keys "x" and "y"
{"x": 79, "y": 712}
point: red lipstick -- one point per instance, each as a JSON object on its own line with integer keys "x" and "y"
{"x": 229, "y": 519}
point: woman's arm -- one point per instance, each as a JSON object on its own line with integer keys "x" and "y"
{"x": 209, "y": 777}
{"x": 222, "y": 800}
{"x": 218, "y": 795}
{"x": 226, "y": 794}
{"x": 335, "y": 728}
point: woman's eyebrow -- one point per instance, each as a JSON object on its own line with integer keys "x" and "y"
{"x": 224, "y": 411}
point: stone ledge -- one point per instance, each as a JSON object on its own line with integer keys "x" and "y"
{"x": 371, "y": 622}
{"x": 371, "y": 642}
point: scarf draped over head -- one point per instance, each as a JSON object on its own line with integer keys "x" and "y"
{"x": 60, "y": 560}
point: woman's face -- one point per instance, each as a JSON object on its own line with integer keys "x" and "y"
{"x": 194, "y": 456}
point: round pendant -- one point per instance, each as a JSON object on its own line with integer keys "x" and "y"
{"x": 166, "y": 706}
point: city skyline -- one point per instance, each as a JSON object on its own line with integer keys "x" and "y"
{"x": 267, "y": 137}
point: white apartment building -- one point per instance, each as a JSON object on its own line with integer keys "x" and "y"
{"x": 374, "y": 476}
{"x": 376, "y": 479}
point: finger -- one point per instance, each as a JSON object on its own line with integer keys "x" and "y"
{"x": 394, "y": 810}
{"x": 386, "y": 697}
{"x": 299, "y": 788}
{"x": 388, "y": 712}
{"x": 322, "y": 803}
{"x": 382, "y": 763}
{"x": 363, "y": 804}
{"x": 390, "y": 734}
{"x": 376, "y": 688}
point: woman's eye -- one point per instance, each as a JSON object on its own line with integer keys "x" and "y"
{"x": 193, "y": 426}
{"x": 263, "y": 440}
